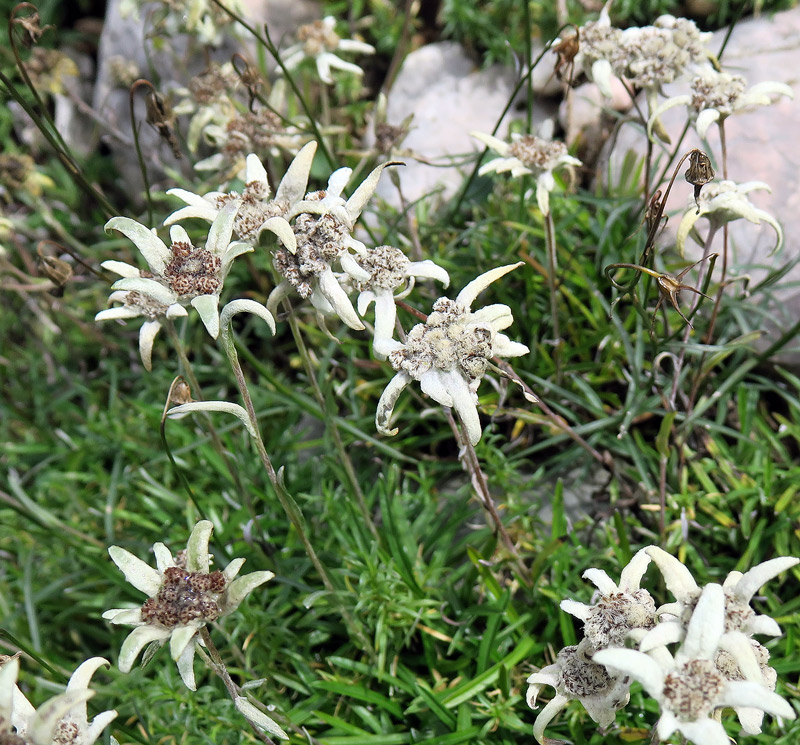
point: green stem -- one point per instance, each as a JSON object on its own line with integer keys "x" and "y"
{"x": 219, "y": 447}
{"x": 290, "y": 507}
{"x": 24, "y": 73}
{"x": 724, "y": 271}
{"x": 66, "y": 161}
{"x": 218, "y": 665}
{"x": 273, "y": 50}
{"x": 469, "y": 459}
{"x": 331, "y": 426}
{"x": 135, "y": 129}
{"x": 552, "y": 271}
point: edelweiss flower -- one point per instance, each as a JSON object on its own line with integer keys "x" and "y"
{"x": 598, "y": 43}
{"x": 620, "y": 609}
{"x": 136, "y": 304}
{"x": 576, "y": 677}
{"x": 60, "y": 721}
{"x": 388, "y": 269}
{"x": 257, "y": 211}
{"x": 721, "y": 202}
{"x": 208, "y": 102}
{"x": 261, "y": 130}
{"x": 319, "y": 41}
{"x": 716, "y": 95}
{"x": 688, "y": 687}
{"x": 738, "y": 592}
{"x": 183, "y": 596}
{"x": 449, "y": 354}
{"x": 320, "y": 236}
{"x": 528, "y": 154}
{"x": 183, "y": 273}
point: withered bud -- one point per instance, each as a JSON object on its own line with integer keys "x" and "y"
{"x": 57, "y": 271}
{"x": 180, "y": 392}
{"x": 251, "y": 79}
{"x": 699, "y": 173}
{"x": 566, "y": 51}
{"x": 29, "y": 25}
{"x": 161, "y": 117}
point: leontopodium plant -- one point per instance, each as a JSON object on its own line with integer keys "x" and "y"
{"x": 183, "y": 596}
{"x": 389, "y": 270}
{"x": 598, "y": 43}
{"x": 717, "y": 664}
{"x": 136, "y": 304}
{"x": 618, "y": 609}
{"x": 717, "y": 94}
{"x": 449, "y": 354}
{"x": 528, "y": 154}
{"x": 721, "y": 202}
{"x": 576, "y": 677}
{"x": 322, "y": 236}
{"x": 181, "y": 272}
{"x": 688, "y": 687}
{"x": 319, "y": 41}
{"x": 258, "y": 211}
{"x": 62, "y": 720}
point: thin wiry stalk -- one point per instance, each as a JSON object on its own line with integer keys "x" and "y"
{"x": 469, "y": 459}
{"x": 725, "y": 246}
{"x": 140, "y": 157}
{"x": 218, "y": 666}
{"x": 290, "y": 507}
{"x": 273, "y": 50}
{"x": 330, "y": 422}
{"x": 552, "y": 286}
{"x": 197, "y": 393}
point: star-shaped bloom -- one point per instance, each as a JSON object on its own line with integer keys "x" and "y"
{"x": 721, "y": 202}
{"x": 449, "y": 354}
{"x": 598, "y": 43}
{"x": 183, "y": 596}
{"x": 257, "y": 212}
{"x": 322, "y": 236}
{"x": 716, "y": 95}
{"x": 575, "y": 676}
{"x": 528, "y": 154}
{"x": 183, "y": 273}
{"x": 619, "y": 609}
{"x": 319, "y": 41}
{"x": 738, "y": 592}
{"x": 135, "y": 305}
{"x": 62, "y": 720}
{"x": 389, "y": 269}
{"x": 688, "y": 687}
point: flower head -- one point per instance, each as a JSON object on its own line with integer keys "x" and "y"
{"x": 322, "y": 236}
{"x": 528, "y": 154}
{"x": 183, "y": 596}
{"x": 136, "y": 304}
{"x": 319, "y": 41}
{"x": 449, "y": 354}
{"x": 688, "y": 686}
{"x": 257, "y": 211}
{"x": 388, "y": 270}
{"x": 60, "y": 721}
{"x": 721, "y": 202}
{"x": 652, "y": 56}
{"x": 619, "y": 609}
{"x": 183, "y": 273}
{"x": 576, "y": 677}
{"x": 598, "y": 43}
{"x": 716, "y": 95}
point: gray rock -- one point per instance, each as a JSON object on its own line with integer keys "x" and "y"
{"x": 762, "y": 146}
{"x": 440, "y": 85}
